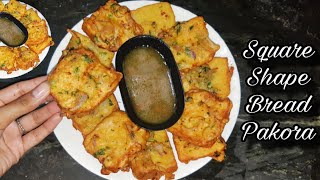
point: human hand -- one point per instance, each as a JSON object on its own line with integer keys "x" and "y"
{"x": 19, "y": 102}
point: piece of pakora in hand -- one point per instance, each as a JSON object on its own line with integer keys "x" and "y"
{"x": 111, "y": 25}
{"x": 114, "y": 141}
{"x": 203, "y": 119}
{"x": 187, "y": 151}
{"x": 213, "y": 76}
{"x": 156, "y": 160}
{"x": 87, "y": 123}
{"x": 79, "y": 41}
{"x": 161, "y": 18}
{"x": 79, "y": 83}
{"x": 189, "y": 43}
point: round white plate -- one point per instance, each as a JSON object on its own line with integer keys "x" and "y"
{"x": 71, "y": 139}
{"x": 20, "y": 72}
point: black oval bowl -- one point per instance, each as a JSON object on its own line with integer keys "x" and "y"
{"x": 163, "y": 49}
{"x": 20, "y": 26}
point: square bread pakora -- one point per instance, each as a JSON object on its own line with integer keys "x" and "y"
{"x": 203, "y": 119}
{"x": 156, "y": 160}
{"x": 189, "y": 43}
{"x": 161, "y": 18}
{"x": 79, "y": 83}
{"x": 79, "y": 41}
{"x": 27, "y": 58}
{"x": 114, "y": 141}
{"x": 187, "y": 151}
{"x": 8, "y": 59}
{"x": 1, "y": 6}
{"x": 111, "y": 25}
{"x": 213, "y": 76}
{"x": 15, "y": 8}
{"x": 87, "y": 123}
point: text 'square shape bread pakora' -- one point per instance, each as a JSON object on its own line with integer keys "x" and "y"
{"x": 203, "y": 119}
{"x": 190, "y": 44}
{"x": 114, "y": 141}
{"x": 213, "y": 76}
{"x": 111, "y": 25}
{"x": 80, "y": 83}
{"x": 154, "y": 18}
{"x": 187, "y": 151}
{"x": 87, "y": 123}
{"x": 15, "y": 8}
{"x": 79, "y": 41}
{"x": 8, "y": 59}
{"x": 156, "y": 160}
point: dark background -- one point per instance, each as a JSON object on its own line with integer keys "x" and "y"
{"x": 270, "y": 21}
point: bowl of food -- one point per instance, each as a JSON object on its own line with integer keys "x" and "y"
{"x": 151, "y": 89}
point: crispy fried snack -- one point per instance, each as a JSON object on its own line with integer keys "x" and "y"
{"x": 1, "y": 6}
{"x": 111, "y": 25}
{"x": 114, "y": 141}
{"x": 87, "y": 123}
{"x": 80, "y": 83}
{"x": 187, "y": 151}
{"x": 213, "y": 76}
{"x": 190, "y": 44}
{"x": 31, "y": 16}
{"x": 26, "y": 59}
{"x": 80, "y": 41}
{"x": 8, "y": 59}
{"x": 203, "y": 119}
{"x": 161, "y": 18}
{"x": 156, "y": 160}
{"x": 15, "y": 8}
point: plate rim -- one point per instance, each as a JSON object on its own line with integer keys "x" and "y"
{"x": 235, "y": 80}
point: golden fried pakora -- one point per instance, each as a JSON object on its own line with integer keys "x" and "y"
{"x": 111, "y": 25}
{"x": 156, "y": 160}
{"x": 7, "y": 59}
{"x": 203, "y": 119}
{"x": 27, "y": 58}
{"x": 187, "y": 151}
{"x": 161, "y": 18}
{"x": 189, "y": 43}
{"x": 213, "y": 76}
{"x": 1, "y": 6}
{"x": 80, "y": 83}
{"x": 31, "y": 16}
{"x": 80, "y": 41}
{"x": 114, "y": 141}
{"x": 15, "y": 8}
{"x": 87, "y": 123}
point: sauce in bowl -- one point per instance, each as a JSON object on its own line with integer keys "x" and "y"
{"x": 148, "y": 82}
{"x": 151, "y": 89}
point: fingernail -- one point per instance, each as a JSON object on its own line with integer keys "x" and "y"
{"x": 42, "y": 90}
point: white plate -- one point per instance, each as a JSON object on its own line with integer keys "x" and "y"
{"x": 20, "y": 72}
{"x": 71, "y": 139}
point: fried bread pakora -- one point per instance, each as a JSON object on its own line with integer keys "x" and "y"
{"x": 15, "y": 8}
{"x": 111, "y": 25}
{"x": 213, "y": 76}
{"x": 27, "y": 58}
{"x": 161, "y": 18}
{"x": 190, "y": 44}
{"x": 31, "y": 16}
{"x": 114, "y": 141}
{"x": 203, "y": 119}
{"x": 187, "y": 151}
{"x": 80, "y": 83}
{"x": 156, "y": 160}
{"x": 87, "y": 123}
{"x": 80, "y": 41}
{"x": 1, "y": 6}
{"x": 7, "y": 59}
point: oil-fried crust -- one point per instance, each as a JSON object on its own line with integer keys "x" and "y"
{"x": 203, "y": 119}
{"x": 15, "y": 8}
{"x": 189, "y": 43}
{"x": 114, "y": 141}
{"x": 213, "y": 76}
{"x": 8, "y": 59}
{"x": 161, "y": 18}
{"x": 79, "y": 83}
{"x": 87, "y": 123}
{"x": 156, "y": 160}
{"x": 187, "y": 151}
{"x": 111, "y": 25}
{"x": 27, "y": 58}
